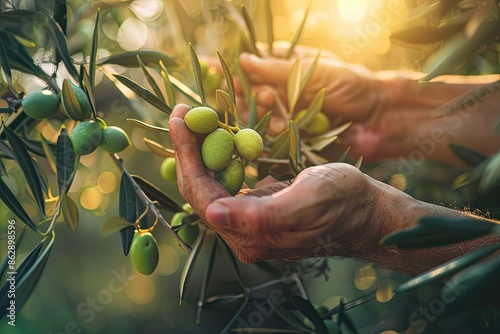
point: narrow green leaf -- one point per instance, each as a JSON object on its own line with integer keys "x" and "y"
{"x": 298, "y": 33}
{"x": 4, "y": 65}
{"x": 190, "y": 264}
{"x": 438, "y": 231}
{"x": 224, "y": 102}
{"x": 270, "y": 28}
{"x": 447, "y": 269}
{"x": 231, "y": 258}
{"x": 146, "y": 126}
{"x": 307, "y": 309}
{"x": 491, "y": 174}
{"x": 197, "y": 74}
{"x": 155, "y": 194}
{"x": 143, "y": 93}
{"x": 126, "y": 237}
{"x": 70, "y": 213}
{"x": 219, "y": 300}
{"x": 263, "y": 126}
{"x": 93, "y": 51}
{"x": 359, "y": 162}
{"x": 14, "y": 206}
{"x": 149, "y": 58}
{"x": 290, "y": 318}
{"x": 320, "y": 142}
{"x": 128, "y": 211}
{"x": 251, "y": 30}
{"x": 423, "y": 35}
{"x": 471, "y": 176}
{"x": 66, "y": 162}
{"x": 242, "y": 77}
{"x": 71, "y": 105}
{"x": 309, "y": 72}
{"x": 169, "y": 88}
{"x": 293, "y": 85}
{"x": 112, "y": 225}
{"x": 185, "y": 90}
{"x": 228, "y": 76}
{"x": 294, "y": 147}
{"x": 252, "y": 112}
{"x": 150, "y": 79}
{"x": 27, "y": 165}
{"x": 158, "y": 149}
{"x": 9, "y": 255}
{"x": 206, "y": 280}
{"x": 49, "y": 153}
{"x": 468, "y": 155}
{"x": 313, "y": 109}
{"x": 60, "y": 14}
{"x": 28, "y": 275}
{"x": 280, "y": 147}
{"x": 235, "y": 316}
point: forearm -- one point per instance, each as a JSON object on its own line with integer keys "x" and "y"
{"x": 396, "y": 210}
{"x": 456, "y": 109}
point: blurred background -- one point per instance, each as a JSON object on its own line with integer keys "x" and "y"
{"x": 89, "y": 286}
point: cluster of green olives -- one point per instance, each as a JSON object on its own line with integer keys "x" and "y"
{"x": 222, "y": 151}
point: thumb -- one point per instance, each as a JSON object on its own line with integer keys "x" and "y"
{"x": 269, "y": 71}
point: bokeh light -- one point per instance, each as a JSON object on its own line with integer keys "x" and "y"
{"x": 169, "y": 260}
{"x": 352, "y": 10}
{"x": 107, "y": 182}
{"x": 90, "y": 198}
{"x": 398, "y": 181}
{"x": 132, "y": 34}
{"x": 365, "y": 277}
{"x": 385, "y": 290}
{"x": 141, "y": 289}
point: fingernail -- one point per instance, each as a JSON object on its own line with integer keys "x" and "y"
{"x": 218, "y": 215}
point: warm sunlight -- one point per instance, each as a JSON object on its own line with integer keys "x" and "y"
{"x": 352, "y": 10}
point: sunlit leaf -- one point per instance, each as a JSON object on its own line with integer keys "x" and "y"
{"x": 312, "y": 110}
{"x": 309, "y": 72}
{"x": 290, "y": 318}
{"x": 491, "y": 174}
{"x": 438, "y": 231}
{"x": 294, "y": 147}
{"x": 447, "y": 269}
{"x": 169, "y": 89}
{"x": 206, "y": 279}
{"x": 262, "y": 126}
{"x": 143, "y": 93}
{"x": 224, "y": 102}
{"x": 242, "y": 77}
{"x": 471, "y": 176}
{"x": 358, "y": 162}
{"x": 70, "y": 213}
{"x": 227, "y": 76}
{"x": 467, "y": 155}
{"x": 156, "y": 194}
{"x": 27, "y": 165}
{"x": 112, "y": 225}
{"x": 185, "y": 90}
{"x": 49, "y": 154}
{"x": 197, "y": 74}
{"x": 158, "y": 149}
{"x": 149, "y": 58}
{"x": 269, "y": 26}
{"x": 93, "y": 52}
{"x": 150, "y": 79}
{"x": 66, "y": 158}
{"x": 307, "y": 309}
{"x": 10, "y": 200}
{"x": 252, "y": 111}
{"x": 251, "y": 30}
{"x": 298, "y": 33}
{"x": 85, "y": 84}
{"x": 293, "y": 85}
{"x": 70, "y": 102}
{"x": 146, "y": 126}
{"x": 190, "y": 264}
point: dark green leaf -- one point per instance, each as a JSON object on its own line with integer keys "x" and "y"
{"x": 128, "y": 211}
{"x": 282, "y": 172}
{"x": 491, "y": 174}
{"x": 70, "y": 103}
{"x": 269, "y": 26}
{"x": 251, "y": 30}
{"x": 307, "y": 309}
{"x": 447, "y": 269}
{"x": 85, "y": 83}
{"x": 231, "y": 258}
{"x": 459, "y": 49}
{"x": 198, "y": 77}
{"x": 66, "y": 162}
{"x": 14, "y": 206}
{"x": 155, "y": 194}
{"x": 219, "y": 300}
{"x": 27, "y": 165}
{"x": 70, "y": 213}
{"x": 146, "y": 126}
{"x": 33, "y": 146}
{"x": 471, "y": 176}
{"x": 467, "y": 155}
{"x": 27, "y": 276}
{"x": 298, "y": 33}
{"x": 149, "y": 58}
{"x": 190, "y": 264}
{"x": 60, "y": 14}
{"x": 5, "y": 262}
{"x": 228, "y": 77}
{"x": 294, "y": 147}
{"x": 93, "y": 52}
{"x": 476, "y": 286}
{"x": 150, "y": 79}
{"x": 112, "y": 225}
{"x": 206, "y": 279}
{"x": 358, "y": 162}
{"x": 235, "y": 316}
{"x": 438, "y": 231}
{"x": 145, "y": 94}
{"x": 290, "y": 318}
{"x": 126, "y": 237}
{"x": 4, "y": 65}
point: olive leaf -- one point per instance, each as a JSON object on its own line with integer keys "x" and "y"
{"x": 66, "y": 162}
{"x": 185, "y": 90}
{"x": 50, "y": 155}
{"x": 289, "y": 317}
{"x": 112, "y": 225}
{"x": 146, "y": 126}
{"x": 447, "y": 269}
{"x": 224, "y": 102}
{"x": 293, "y": 85}
{"x": 252, "y": 111}
{"x": 227, "y": 76}
{"x": 270, "y": 28}
{"x": 27, "y": 165}
{"x": 231, "y": 258}
{"x": 190, "y": 264}
{"x": 235, "y": 315}
{"x": 262, "y": 127}
{"x": 159, "y": 149}
{"x": 468, "y": 155}
{"x": 307, "y": 309}
{"x": 148, "y": 57}
{"x": 298, "y": 33}
{"x": 5, "y": 262}
{"x": 143, "y": 93}
{"x": 5, "y": 66}
{"x": 206, "y": 279}
{"x": 169, "y": 89}
{"x": 251, "y": 30}
{"x": 491, "y": 174}
{"x": 70, "y": 213}
{"x": 294, "y": 147}
{"x": 423, "y": 35}
{"x": 150, "y": 79}
{"x": 156, "y": 194}
{"x": 312, "y": 110}
{"x": 197, "y": 74}
{"x": 10, "y": 200}
{"x": 219, "y": 300}
{"x": 93, "y": 51}
{"x": 127, "y": 208}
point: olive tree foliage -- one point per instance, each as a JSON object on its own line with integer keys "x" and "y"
{"x": 462, "y": 34}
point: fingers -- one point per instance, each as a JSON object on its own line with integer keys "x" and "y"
{"x": 195, "y": 185}
{"x": 269, "y": 71}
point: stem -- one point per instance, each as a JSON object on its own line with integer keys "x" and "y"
{"x": 273, "y": 161}
{"x": 119, "y": 163}
{"x": 57, "y": 213}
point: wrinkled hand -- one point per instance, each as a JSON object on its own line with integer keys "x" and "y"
{"x": 323, "y": 212}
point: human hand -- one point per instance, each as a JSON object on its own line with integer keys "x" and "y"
{"x": 324, "y": 211}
